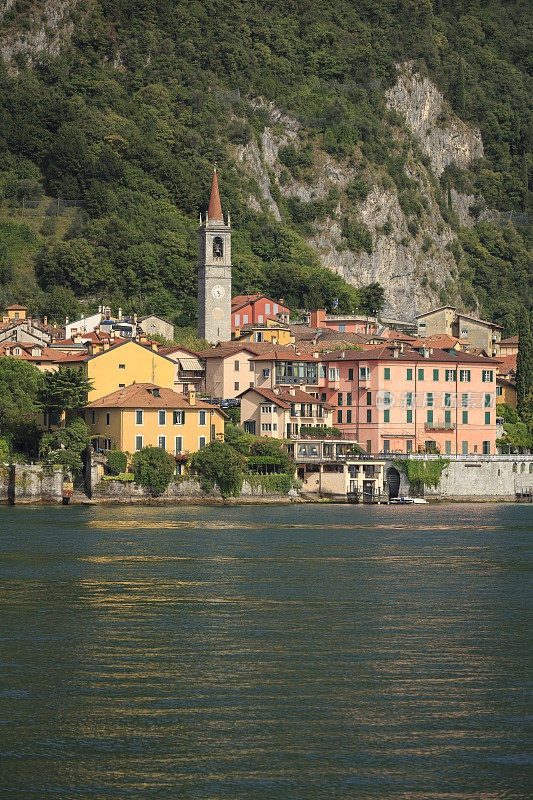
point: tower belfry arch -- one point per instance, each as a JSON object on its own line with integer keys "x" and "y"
{"x": 214, "y": 271}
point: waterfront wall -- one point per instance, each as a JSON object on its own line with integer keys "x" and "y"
{"x": 30, "y": 483}
{"x": 495, "y": 477}
{"x": 189, "y": 489}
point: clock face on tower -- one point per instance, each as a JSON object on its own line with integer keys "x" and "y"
{"x": 218, "y": 292}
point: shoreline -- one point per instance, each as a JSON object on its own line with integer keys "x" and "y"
{"x": 238, "y": 501}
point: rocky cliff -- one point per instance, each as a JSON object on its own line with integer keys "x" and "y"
{"x": 46, "y": 28}
{"x": 411, "y": 258}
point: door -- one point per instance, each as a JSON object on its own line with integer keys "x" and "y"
{"x": 393, "y": 482}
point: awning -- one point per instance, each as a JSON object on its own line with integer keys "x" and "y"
{"x": 190, "y": 363}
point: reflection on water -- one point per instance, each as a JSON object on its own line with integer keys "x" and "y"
{"x": 244, "y": 653}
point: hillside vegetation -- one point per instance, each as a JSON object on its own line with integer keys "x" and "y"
{"x": 145, "y": 97}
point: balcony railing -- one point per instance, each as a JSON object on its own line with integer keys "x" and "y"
{"x": 439, "y": 426}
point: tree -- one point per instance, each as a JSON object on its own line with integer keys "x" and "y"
{"x": 218, "y": 463}
{"x": 372, "y": 298}
{"x": 524, "y": 360}
{"x": 153, "y": 468}
{"x": 65, "y": 390}
{"x": 20, "y": 390}
{"x": 459, "y": 89}
{"x": 66, "y": 445}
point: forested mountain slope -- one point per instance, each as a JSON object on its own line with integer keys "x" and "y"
{"x": 322, "y": 116}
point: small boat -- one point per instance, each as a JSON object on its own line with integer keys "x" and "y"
{"x": 408, "y": 501}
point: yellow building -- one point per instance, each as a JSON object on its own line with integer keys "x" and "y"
{"x": 15, "y": 313}
{"x": 116, "y": 367}
{"x": 505, "y": 391}
{"x": 271, "y": 331}
{"x": 145, "y": 414}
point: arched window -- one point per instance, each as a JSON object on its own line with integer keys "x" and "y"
{"x": 523, "y": 467}
{"x": 515, "y": 467}
{"x": 531, "y": 468}
{"x": 218, "y": 247}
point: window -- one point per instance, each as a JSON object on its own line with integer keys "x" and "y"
{"x": 178, "y": 417}
{"x": 201, "y": 442}
{"x": 369, "y": 415}
{"x": 386, "y": 398}
{"x": 409, "y": 374}
{"x": 409, "y": 415}
{"x": 465, "y": 417}
{"x": 93, "y": 417}
{"x": 236, "y": 386}
{"x": 178, "y": 446}
{"x": 368, "y": 446}
{"x": 386, "y": 446}
{"x": 236, "y": 366}
{"x": 448, "y": 448}
{"x": 334, "y": 374}
{"x": 464, "y": 399}
{"x": 108, "y": 418}
{"x": 386, "y": 415}
{"x": 450, "y": 374}
{"x": 218, "y": 247}
{"x": 487, "y": 400}
{"x": 138, "y": 442}
{"x": 447, "y": 417}
{"x": 266, "y": 373}
{"x": 364, "y": 373}
{"x": 339, "y": 416}
{"x": 420, "y": 374}
{"x": 369, "y": 398}
{"x": 348, "y": 416}
{"x": 487, "y": 376}
{"x": 349, "y": 399}
{"x": 323, "y": 397}
{"x": 237, "y": 320}
{"x": 486, "y": 448}
{"x": 139, "y": 417}
{"x": 435, "y": 374}
{"x": 409, "y": 399}
{"x": 429, "y": 417}
{"x": 387, "y": 374}
{"x": 275, "y": 308}
{"x": 487, "y": 417}
{"x": 201, "y": 418}
{"x": 464, "y": 448}
{"x": 122, "y": 366}
{"x": 122, "y": 386}
{"x": 339, "y": 399}
{"x": 260, "y": 319}
{"x": 429, "y": 399}
{"x": 267, "y": 308}
{"x": 162, "y": 417}
{"x": 245, "y": 319}
{"x": 341, "y": 328}
{"x": 350, "y": 374}
{"x": 464, "y": 375}
{"x": 447, "y": 400}
{"x": 162, "y": 442}
{"x": 499, "y": 391}
{"x": 409, "y": 445}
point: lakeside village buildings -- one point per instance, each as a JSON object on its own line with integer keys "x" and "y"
{"x": 390, "y": 387}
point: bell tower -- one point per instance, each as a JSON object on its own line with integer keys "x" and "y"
{"x": 214, "y": 272}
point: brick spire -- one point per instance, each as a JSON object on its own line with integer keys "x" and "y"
{"x": 215, "y": 209}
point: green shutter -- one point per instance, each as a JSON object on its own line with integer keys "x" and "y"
{"x": 409, "y": 415}
{"x": 387, "y": 373}
{"x": 487, "y": 417}
{"x": 409, "y": 374}
{"x": 386, "y": 416}
{"x": 435, "y": 374}
{"x": 430, "y": 417}
{"x": 420, "y": 374}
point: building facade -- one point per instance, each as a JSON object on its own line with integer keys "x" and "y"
{"x": 256, "y": 309}
{"x": 280, "y": 414}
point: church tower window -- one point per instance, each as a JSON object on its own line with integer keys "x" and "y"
{"x": 218, "y": 247}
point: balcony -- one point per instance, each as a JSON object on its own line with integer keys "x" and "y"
{"x": 439, "y": 426}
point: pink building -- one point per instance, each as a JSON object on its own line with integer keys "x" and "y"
{"x": 343, "y": 323}
{"x": 255, "y": 308}
{"x": 396, "y": 399}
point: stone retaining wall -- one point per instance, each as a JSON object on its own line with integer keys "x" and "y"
{"x": 30, "y": 483}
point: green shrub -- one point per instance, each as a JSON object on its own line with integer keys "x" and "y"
{"x": 316, "y": 432}
{"x": 218, "y": 463}
{"x": 117, "y": 461}
{"x": 153, "y": 468}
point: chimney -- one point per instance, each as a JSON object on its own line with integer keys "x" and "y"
{"x": 154, "y": 346}
{"x": 135, "y": 319}
{"x": 276, "y": 389}
{"x": 66, "y": 320}
{"x": 99, "y": 309}
{"x": 45, "y": 321}
{"x": 120, "y": 313}
{"x": 318, "y": 318}
{"x": 292, "y": 390}
{"x": 426, "y": 352}
{"x": 106, "y": 344}
{"x": 192, "y": 397}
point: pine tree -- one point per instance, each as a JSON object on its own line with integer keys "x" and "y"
{"x": 524, "y": 361}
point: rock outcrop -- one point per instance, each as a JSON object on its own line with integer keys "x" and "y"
{"x": 442, "y": 135}
{"x": 49, "y": 27}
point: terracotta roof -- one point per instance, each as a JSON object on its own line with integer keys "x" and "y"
{"x": 510, "y": 340}
{"x": 168, "y": 350}
{"x": 140, "y": 395}
{"x": 16, "y": 308}
{"x": 440, "y": 340}
{"x": 284, "y": 354}
{"x": 285, "y": 398}
{"x": 504, "y": 382}
{"x": 507, "y": 364}
{"x": 215, "y": 209}
{"x": 241, "y": 300}
{"x": 229, "y": 348}
{"x": 45, "y": 353}
{"x": 385, "y": 353}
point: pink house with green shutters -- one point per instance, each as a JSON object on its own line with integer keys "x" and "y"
{"x": 397, "y": 399}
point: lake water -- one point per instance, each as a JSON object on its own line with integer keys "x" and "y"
{"x": 265, "y": 652}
